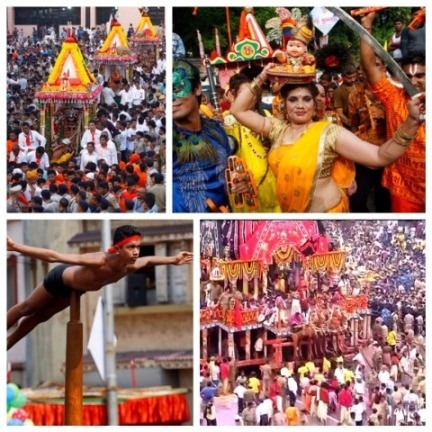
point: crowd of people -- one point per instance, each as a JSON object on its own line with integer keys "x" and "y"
{"x": 359, "y": 137}
{"x": 117, "y": 164}
{"x": 380, "y": 381}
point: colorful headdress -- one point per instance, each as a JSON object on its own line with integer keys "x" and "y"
{"x": 292, "y": 69}
{"x": 303, "y": 33}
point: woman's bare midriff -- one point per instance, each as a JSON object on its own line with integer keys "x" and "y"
{"x": 326, "y": 196}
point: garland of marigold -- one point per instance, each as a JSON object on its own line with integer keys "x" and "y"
{"x": 238, "y": 270}
{"x": 330, "y": 260}
{"x": 282, "y": 257}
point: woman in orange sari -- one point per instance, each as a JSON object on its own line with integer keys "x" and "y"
{"x": 312, "y": 161}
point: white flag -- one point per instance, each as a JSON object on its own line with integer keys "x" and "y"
{"x": 323, "y": 19}
{"x": 96, "y": 341}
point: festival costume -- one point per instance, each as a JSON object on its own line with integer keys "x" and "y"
{"x": 405, "y": 178}
{"x": 299, "y": 165}
{"x": 54, "y": 283}
{"x": 254, "y": 155}
{"x": 199, "y": 162}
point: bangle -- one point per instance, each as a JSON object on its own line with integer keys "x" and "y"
{"x": 261, "y": 79}
{"x": 400, "y": 137}
{"x": 256, "y": 82}
{"x": 255, "y": 87}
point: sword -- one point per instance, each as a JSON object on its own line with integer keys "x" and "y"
{"x": 211, "y": 79}
{"x": 379, "y": 50}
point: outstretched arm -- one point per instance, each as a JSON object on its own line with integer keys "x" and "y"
{"x": 372, "y": 70}
{"x": 179, "y": 259}
{"x": 51, "y": 256}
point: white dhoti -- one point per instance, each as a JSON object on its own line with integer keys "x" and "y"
{"x": 295, "y": 306}
{"x": 313, "y": 406}
{"x": 394, "y": 372}
{"x": 322, "y": 411}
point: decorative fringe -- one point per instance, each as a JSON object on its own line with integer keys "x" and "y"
{"x": 197, "y": 146}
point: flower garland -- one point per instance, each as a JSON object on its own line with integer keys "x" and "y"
{"x": 284, "y": 256}
{"x": 238, "y": 270}
{"x": 329, "y": 260}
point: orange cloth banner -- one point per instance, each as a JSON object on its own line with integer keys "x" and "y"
{"x": 353, "y": 304}
{"x": 154, "y": 410}
{"x": 215, "y": 314}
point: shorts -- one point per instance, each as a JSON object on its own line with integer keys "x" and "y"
{"x": 54, "y": 284}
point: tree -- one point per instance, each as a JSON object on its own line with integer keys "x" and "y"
{"x": 187, "y": 20}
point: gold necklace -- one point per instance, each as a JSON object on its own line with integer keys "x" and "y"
{"x": 298, "y": 134}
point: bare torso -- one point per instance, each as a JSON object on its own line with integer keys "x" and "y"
{"x": 93, "y": 278}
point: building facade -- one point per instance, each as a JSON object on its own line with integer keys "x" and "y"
{"x": 27, "y": 18}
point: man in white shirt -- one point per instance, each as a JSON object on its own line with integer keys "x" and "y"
{"x": 88, "y": 155}
{"x": 131, "y": 134}
{"x": 99, "y": 77}
{"x": 239, "y": 391}
{"x": 40, "y": 157}
{"x": 358, "y": 410}
{"x": 107, "y": 150}
{"x": 292, "y": 384}
{"x": 92, "y": 134}
{"x": 138, "y": 94}
{"x": 384, "y": 375}
{"x": 29, "y": 139}
{"x": 264, "y": 412}
{"x": 123, "y": 116}
{"x": 126, "y": 96}
{"x": 400, "y": 414}
{"x": 107, "y": 95}
{"x": 406, "y": 368}
{"x": 359, "y": 386}
{"x": 339, "y": 373}
{"x": 17, "y": 155}
{"x": 411, "y": 401}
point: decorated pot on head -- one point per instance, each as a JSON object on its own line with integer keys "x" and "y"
{"x": 296, "y": 64}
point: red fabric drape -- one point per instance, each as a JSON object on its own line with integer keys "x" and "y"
{"x": 155, "y": 410}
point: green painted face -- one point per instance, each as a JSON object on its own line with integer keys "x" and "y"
{"x": 184, "y": 76}
{"x": 182, "y": 86}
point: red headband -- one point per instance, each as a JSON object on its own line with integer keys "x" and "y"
{"x": 123, "y": 242}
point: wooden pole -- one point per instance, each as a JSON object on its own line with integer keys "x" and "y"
{"x": 74, "y": 366}
{"x": 248, "y": 344}
{"x": 228, "y": 21}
